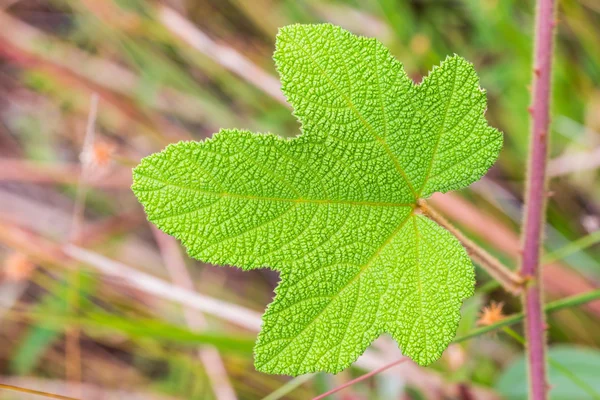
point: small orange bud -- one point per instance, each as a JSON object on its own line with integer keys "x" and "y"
{"x": 102, "y": 153}
{"x": 491, "y": 314}
{"x": 17, "y": 267}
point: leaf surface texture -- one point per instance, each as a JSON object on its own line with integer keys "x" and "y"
{"x": 334, "y": 209}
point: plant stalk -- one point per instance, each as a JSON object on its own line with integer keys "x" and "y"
{"x": 535, "y": 201}
{"x": 557, "y": 305}
{"x": 34, "y": 392}
{"x": 510, "y": 280}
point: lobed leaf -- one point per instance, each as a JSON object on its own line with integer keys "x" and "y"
{"x": 334, "y": 209}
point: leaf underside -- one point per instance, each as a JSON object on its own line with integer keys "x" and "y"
{"x": 334, "y": 209}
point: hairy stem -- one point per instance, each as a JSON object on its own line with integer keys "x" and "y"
{"x": 535, "y": 200}
{"x": 510, "y": 280}
{"x": 581, "y": 383}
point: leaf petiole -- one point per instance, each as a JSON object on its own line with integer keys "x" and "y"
{"x": 510, "y": 280}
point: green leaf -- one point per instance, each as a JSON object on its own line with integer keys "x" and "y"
{"x": 572, "y": 375}
{"x": 334, "y": 209}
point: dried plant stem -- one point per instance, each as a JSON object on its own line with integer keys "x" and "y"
{"x": 226, "y": 56}
{"x": 86, "y": 165}
{"x": 72, "y": 337}
{"x": 208, "y": 355}
{"x": 233, "y": 313}
{"x": 510, "y": 280}
{"x": 35, "y": 392}
{"x": 535, "y": 200}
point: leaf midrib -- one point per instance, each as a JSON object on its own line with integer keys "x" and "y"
{"x": 366, "y": 124}
{"x": 358, "y": 275}
{"x": 300, "y": 200}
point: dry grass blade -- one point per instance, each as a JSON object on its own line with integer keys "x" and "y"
{"x": 72, "y": 340}
{"x": 226, "y": 56}
{"x": 233, "y": 313}
{"x": 572, "y": 163}
{"x": 35, "y": 392}
{"x": 17, "y": 170}
{"x": 208, "y": 355}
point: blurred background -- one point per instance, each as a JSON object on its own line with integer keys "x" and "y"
{"x": 96, "y": 304}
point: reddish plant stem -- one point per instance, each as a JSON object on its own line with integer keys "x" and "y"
{"x": 360, "y": 378}
{"x": 535, "y": 200}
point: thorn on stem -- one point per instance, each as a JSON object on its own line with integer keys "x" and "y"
{"x": 530, "y": 110}
{"x": 550, "y": 193}
{"x": 546, "y": 326}
{"x": 537, "y": 72}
